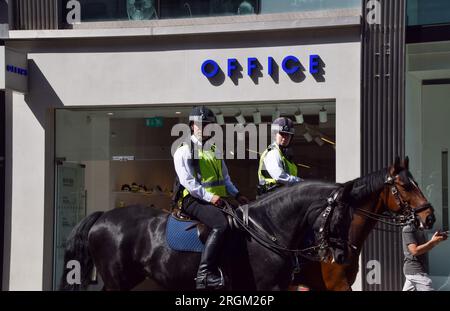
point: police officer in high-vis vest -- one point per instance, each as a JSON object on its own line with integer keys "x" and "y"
{"x": 206, "y": 182}
{"x": 275, "y": 165}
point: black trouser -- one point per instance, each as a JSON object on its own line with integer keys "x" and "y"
{"x": 217, "y": 221}
{"x": 206, "y": 213}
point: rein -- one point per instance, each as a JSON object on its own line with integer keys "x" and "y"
{"x": 270, "y": 242}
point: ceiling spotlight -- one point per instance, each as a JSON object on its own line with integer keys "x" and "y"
{"x": 240, "y": 118}
{"x": 319, "y": 141}
{"x": 110, "y": 114}
{"x": 299, "y": 117}
{"x": 220, "y": 118}
{"x": 323, "y": 118}
{"x": 308, "y": 137}
{"x": 177, "y": 112}
{"x": 275, "y": 115}
{"x": 257, "y": 117}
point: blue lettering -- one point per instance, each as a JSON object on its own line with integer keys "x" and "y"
{"x": 210, "y": 68}
{"x": 251, "y": 65}
{"x": 231, "y": 66}
{"x": 270, "y": 65}
{"x": 17, "y": 70}
{"x": 314, "y": 64}
{"x": 213, "y": 72}
{"x": 292, "y": 69}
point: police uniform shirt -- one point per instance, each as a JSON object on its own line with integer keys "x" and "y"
{"x": 274, "y": 165}
{"x": 185, "y": 172}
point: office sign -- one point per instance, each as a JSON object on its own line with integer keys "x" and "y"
{"x": 14, "y": 70}
{"x": 290, "y": 64}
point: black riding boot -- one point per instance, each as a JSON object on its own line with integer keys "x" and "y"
{"x": 209, "y": 276}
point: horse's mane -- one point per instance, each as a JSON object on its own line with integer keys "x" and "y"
{"x": 305, "y": 191}
{"x": 364, "y": 186}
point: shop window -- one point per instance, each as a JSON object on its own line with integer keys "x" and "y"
{"x": 199, "y": 8}
{"x": 428, "y": 12}
{"x": 112, "y": 158}
{"x": 116, "y": 10}
{"x": 428, "y": 142}
{"x": 280, "y": 6}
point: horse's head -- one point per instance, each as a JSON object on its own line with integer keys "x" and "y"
{"x": 403, "y": 196}
{"x": 332, "y": 226}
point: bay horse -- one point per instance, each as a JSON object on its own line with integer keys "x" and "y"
{"x": 127, "y": 245}
{"x": 391, "y": 190}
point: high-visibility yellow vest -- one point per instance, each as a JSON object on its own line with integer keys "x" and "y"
{"x": 208, "y": 171}
{"x": 264, "y": 176}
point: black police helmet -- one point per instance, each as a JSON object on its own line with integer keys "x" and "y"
{"x": 283, "y": 125}
{"x": 202, "y": 114}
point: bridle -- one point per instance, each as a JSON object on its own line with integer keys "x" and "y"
{"x": 317, "y": 252}
{"x": 406, "y": 214}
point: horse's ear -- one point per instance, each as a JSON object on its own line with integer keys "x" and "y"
{"x": 406, "y": 163}
{"x": 347, "y": 192}
{"x": 396, "y": 168}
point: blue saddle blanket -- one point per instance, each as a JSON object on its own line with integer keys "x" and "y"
{"x": 181, "y": 240}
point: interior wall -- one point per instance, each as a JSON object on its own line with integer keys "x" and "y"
{"x": 84, "y": 139}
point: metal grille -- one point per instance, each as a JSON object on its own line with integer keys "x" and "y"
{"x": 35, "y": 14}
{"x": 383, "y": 137}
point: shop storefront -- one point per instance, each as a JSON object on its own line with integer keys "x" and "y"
{"x": 98, "y": 118}
{"x": 427, "y": 113}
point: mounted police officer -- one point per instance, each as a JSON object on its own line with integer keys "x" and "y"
{"x": 206, "y": 182}
{"x": 275, "y": 165}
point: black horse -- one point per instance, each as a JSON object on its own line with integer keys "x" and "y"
{"x": 127, "y": 245}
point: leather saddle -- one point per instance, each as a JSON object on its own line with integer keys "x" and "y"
{"x": 203, "y": 230}
{"x": 240, "y": 218}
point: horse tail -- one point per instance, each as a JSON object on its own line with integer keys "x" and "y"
{"x": 77, "y": 252}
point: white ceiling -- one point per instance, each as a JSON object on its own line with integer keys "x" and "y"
{"x": 228, "y": 110}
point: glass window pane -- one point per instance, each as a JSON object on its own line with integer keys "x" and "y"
{"x": 200, "y": 8}
{"x": 110, "y": 10}
{"x": 280, "y": 6}
{"x": 428, "y": 12}
{"x": 114, "y": 157}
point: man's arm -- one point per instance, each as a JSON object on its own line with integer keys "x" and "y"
{"x": 274, "y": 165}
{"x": 417, "y": 250}
{"x": 231, "y": 188}
{"x": 185, "y": 173}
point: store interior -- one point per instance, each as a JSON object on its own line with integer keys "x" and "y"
{"x": 115, "y": 157}
{"x": 127, "y": 152}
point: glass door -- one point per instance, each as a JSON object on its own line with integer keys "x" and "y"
{"x": 70, "y": 208}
